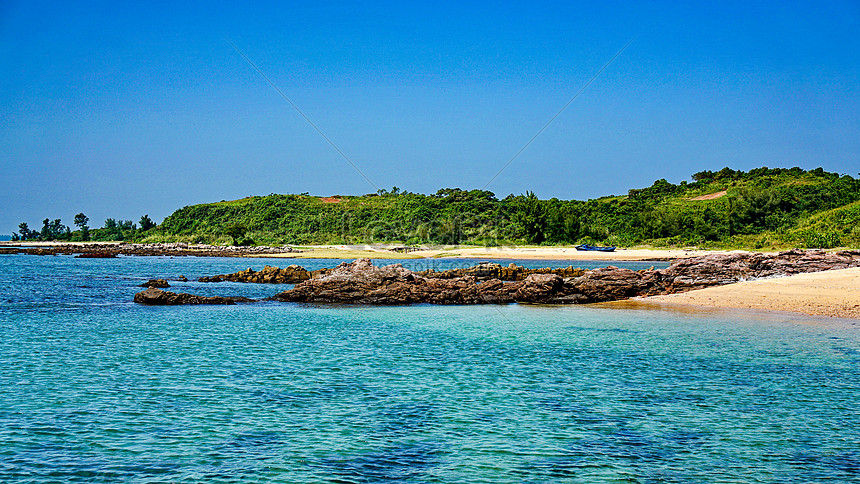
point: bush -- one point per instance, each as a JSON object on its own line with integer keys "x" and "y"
{"x": 821, "y": 240}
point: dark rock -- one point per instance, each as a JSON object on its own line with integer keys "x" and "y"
{"x": 268, "y": 275}
{"x": 538, "y": 287}
{"x": 160, "y": 283}
{"x": 109, "y": 250}
{"x": 361, "y": 282}
{"x": 156, "y": 297}
{"x": 182, "y": 279}
{"x": 96, "y": 255}
{"x": 489, "y": 270}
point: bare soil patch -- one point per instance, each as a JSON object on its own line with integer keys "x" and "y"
{"x": 710, "y": 196}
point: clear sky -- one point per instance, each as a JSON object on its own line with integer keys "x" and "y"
{"x": 118, "y": 110}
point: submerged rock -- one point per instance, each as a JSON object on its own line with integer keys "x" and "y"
{"x": 157, "y": 297}
{"x": 96, "y": 255}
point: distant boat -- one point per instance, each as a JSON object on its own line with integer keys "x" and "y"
{"x": 595, "y": 248}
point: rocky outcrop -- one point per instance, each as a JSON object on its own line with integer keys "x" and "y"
{"x": 96, "y": 255}
{"x": 157, "y": 283}
{"x": 490, "y": 270}
{"x": 720, "y": 269}
{"x": 157, "y": 297}
{"x": 106, "y": 250}
{"x": 268, "y": 275}
{"x": 361, "y": 282}
{"x": 294, "y": 274}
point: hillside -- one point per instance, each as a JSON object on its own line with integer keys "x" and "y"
{"x": 762, "y": 208}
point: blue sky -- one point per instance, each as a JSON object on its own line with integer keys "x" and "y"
{"x": 118, "y": 110}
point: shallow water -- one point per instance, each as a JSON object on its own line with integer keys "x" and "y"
{"x": 97, "y": 389}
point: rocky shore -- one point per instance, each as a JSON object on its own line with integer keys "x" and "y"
{"x": 108, "y": 250}
{"x": 295, "y": 274}
{"x": 361, "y": 282}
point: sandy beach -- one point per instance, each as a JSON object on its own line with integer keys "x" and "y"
{"x": 833, "y": 293}
{"x": 520, "y": 252}
{"x": 830, "y": 293}
{"x": 463, "y": 252}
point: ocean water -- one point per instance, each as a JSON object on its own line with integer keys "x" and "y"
{"x": 94, "y": 388}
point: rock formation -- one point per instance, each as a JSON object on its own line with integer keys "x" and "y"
{"x": 484, "y": 271}
{"x": 157, "y": 283}
{"x": 491, "y": 270}
{"x": 156, "y": 297}
{"x": 268, "y": 275}
{"x": 96, "y": 255}
{"x": 108, "y": 250}
{"x": 361, "y": 282}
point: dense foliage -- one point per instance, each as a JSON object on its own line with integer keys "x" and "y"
{"x": 761, "y": 208}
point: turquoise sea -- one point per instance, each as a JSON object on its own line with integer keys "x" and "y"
{"x": 94, "y": 388}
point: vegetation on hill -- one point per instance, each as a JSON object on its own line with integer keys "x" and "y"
{"x": 761, "y": 209}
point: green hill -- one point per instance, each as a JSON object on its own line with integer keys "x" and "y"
{"x": 762, "y": 208}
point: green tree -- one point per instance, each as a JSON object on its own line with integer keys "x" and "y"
{"x": 26, "y": 233}
{"x": 58, "y": 230}
{"x": 146, "y": 223}
{"x": 81, "y": 221}
{"x": 45, "y": 233}
{"x": 236, "y": 232}
{"x": 112, "y": 230}
{"x": 530, "y": 215}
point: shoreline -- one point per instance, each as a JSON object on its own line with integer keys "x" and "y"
{"x": 833, "y": 293}
{"x": 371, "y": 252}
{"x": 495, "y": 253}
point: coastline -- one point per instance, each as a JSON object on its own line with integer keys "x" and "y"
{"x": 492, "y": 253}
{"x": 833, "y": 293}
{"x": 384, "y": 252}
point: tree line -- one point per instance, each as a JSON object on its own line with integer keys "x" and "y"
{"x": 113, "y": 230}
{"x": 762, "y": 207}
